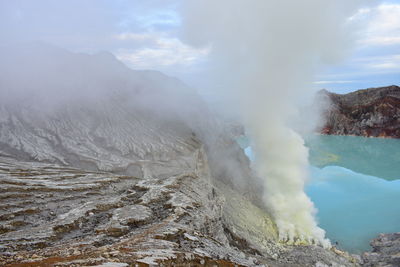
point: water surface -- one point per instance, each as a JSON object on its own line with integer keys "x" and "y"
{"x": 371, "y": 156}
{"x": 355, "y": 185}
{"x": 354, "y": 208}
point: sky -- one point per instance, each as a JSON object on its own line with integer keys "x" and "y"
{"x": 146, "y": 34}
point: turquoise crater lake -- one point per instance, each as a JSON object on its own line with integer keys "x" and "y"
{"x": 355, "y": 185}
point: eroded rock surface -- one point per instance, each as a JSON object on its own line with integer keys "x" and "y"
{"x": 69, "y": 217}
{"x": 52, "y": 215}
{"x": 134, "y": 170}
{"x": 385, "y": 251}
{"x": 373, "y": 112}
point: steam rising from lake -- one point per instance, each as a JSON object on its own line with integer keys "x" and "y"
{"x": 263, "y": 55}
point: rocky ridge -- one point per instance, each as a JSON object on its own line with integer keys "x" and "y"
{"x": 385, "y": 251}
{"x": 373, "y": 112}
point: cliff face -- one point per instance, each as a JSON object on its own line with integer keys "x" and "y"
{"x": 373, "y": 112}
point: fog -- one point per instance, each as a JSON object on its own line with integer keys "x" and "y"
{"x": 62, "y": 53}
{"x": 46, "y": 79}
{"x": 265, "y": 53}
{"x": 263, "y": 56}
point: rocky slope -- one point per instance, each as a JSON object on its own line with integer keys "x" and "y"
{"x": 104, "y": 166}
{"x": 62, "y": 216}
{"x": 373, "y": 112}
{"x": 385, "y": 252}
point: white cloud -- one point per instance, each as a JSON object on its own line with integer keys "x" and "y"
{"x": 385, "y": 63}
{"x": 383, "y": 25}
{"x": 161, "y": 17}
{"x": 378, "y": 64}
{"x": 133, "y": 36}
{"x": 360, "y": 14}
{"x": 163, "y": 52}
{"x": 333, "y": 82}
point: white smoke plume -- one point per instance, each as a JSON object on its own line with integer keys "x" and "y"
{"x": 264, "y": 54}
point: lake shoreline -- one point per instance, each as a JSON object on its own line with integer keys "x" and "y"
{"x": 352, "y": 187}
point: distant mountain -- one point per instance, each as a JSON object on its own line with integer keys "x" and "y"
{"x": 373, "y": 112}
{"x": 91, "y": 111}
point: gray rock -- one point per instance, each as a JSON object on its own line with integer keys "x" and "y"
{"x": 68, "y": 196}
{"x": 385, "y": 251}
{"x": 369, "y": 112}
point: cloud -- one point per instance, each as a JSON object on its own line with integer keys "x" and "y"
{"x": 159, "y": 51}
{"x": 376, "y": 58}
{"x": 72, "y": 24}
{"x": 160, "y": 20}
{"x": 143, "y": 34}
{"x": 383, "y": 25}
{"x": 387, "y": 63}
{"x": 334, "y": 82}
{"x": 150, "y": 15}
{"x": 133, "y": 36}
